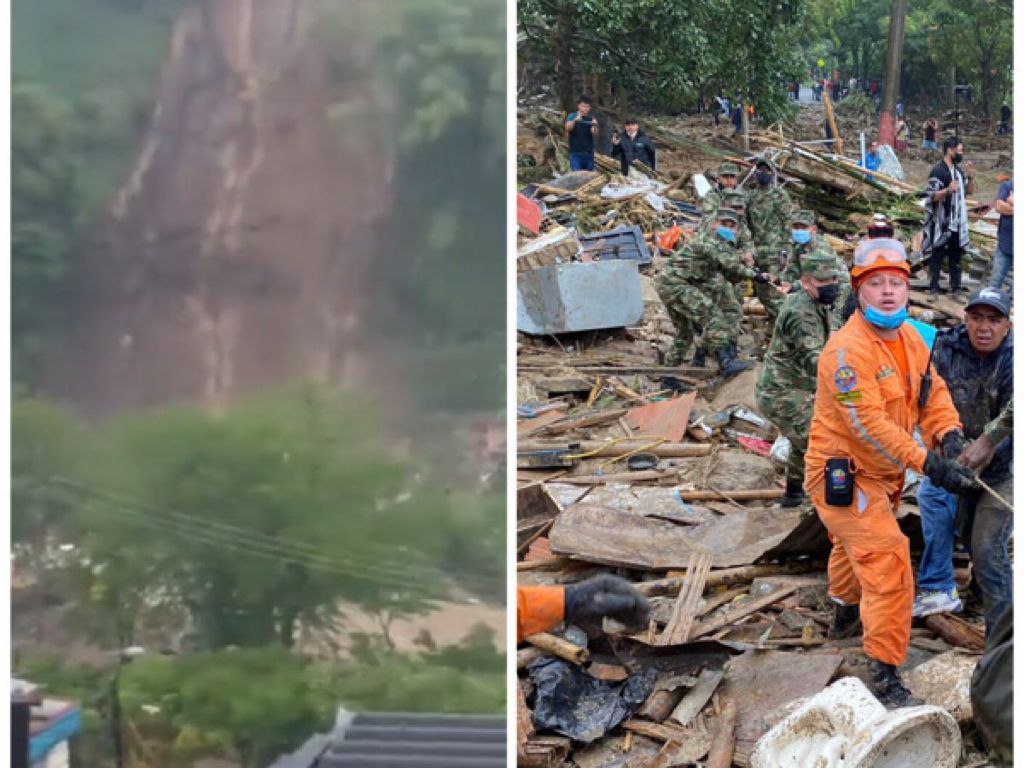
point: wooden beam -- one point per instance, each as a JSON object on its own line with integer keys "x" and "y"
{"x": 560, "y": 647}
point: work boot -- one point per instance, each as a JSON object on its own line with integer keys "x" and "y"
{"x": 700, "y": 358}
{"x": 728, "y": 365}
{"x": 794, "y": 495}
{"x": 845, "y": 622}
{"x": 888, "y": 688}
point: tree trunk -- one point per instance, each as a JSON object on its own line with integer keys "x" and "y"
{"x": 563, "y": 64}
{"x": 893, "y": 59}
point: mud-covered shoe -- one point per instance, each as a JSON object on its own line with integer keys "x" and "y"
{"x": 930, "y": 602}
{"x": 888, "y": 688}
{"x": 845, "y": 622}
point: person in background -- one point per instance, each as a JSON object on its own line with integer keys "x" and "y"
{"x": 872, "y": 161}
{"x": 581, "y": 128}
{"x": 1004, "y": 119}
{"x": 539, "y": 609}
{"x": 929, "y": 134}
{"x": 1003, "y": 257}
{"x": 945, "y": 226}
{"x": 902, "y": 135}
{"x": 633, "y": 145}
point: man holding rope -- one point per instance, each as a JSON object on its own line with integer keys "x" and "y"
{"x": 976, "y": 361}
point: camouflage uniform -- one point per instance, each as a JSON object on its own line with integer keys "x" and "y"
{"x": 695, "y": 290}
{"x": 817, "y": 245}
{"x": 712, "y": 200}
{"x": 735, "y": 200}
{"x": 769, "y": 211}
{"x": 785, "y": 390}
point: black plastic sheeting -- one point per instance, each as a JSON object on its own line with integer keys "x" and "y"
{"x": 574, "y": 704}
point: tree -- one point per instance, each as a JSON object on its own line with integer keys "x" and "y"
{"x": 893, "y": 60}
{"x": 44, "y": 203}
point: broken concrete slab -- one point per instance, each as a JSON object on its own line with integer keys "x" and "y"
{"x": 739, "y": 470}
{"x": 945, "y": 681}
{"x": 620, "y": 537}
{"x": 646, "y": 500}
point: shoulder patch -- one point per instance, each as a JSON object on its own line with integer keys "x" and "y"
{"x": 846, "y": 379}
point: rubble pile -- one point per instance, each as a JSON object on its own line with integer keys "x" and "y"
{"x": 669, "y": 477}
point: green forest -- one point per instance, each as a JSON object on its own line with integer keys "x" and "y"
{"x": 249, "y": 528}
{"x": 666, "y": 56}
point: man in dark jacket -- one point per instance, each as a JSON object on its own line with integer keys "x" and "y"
{"x": 632, "y": 145}
{"x": 976, "y": 361}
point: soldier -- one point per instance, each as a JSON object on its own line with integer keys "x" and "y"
{"x": 785, "y": 390}
{"x": 696, "y": 295}
{"x": 725, "y": 178}
{"x": 805, "y": 239}
{"x": 769, "y": 211}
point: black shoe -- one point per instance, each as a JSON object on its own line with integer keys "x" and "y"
{"x": 700, "y": 358}
{"x": 845, "y": 622}
{"x": 794, "y": 495}
{"x": 728, "y": 365}
{"x": 888, "y": 688}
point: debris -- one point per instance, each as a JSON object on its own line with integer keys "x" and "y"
{"x": 572, "y": 703}
{"x": 956, "y": 631}
{"x": 845, "y": 725}
{"x": 560, "y": 647}
{"x": 945, "y": 681}
{"x": 667, "y": 419}
{"x": 622, "y": 538}
{"x": 724, "y": 740}
{"x": 765, "y": 681}
{"x": 578, "y": 297}
{"x": 695, "y": 699}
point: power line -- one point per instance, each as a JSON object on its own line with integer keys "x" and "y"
{"x": 296, "y": 551}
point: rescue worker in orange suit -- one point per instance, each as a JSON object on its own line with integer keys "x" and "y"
{"x": 539, "y": 609}
{"x": 869, "y": 399}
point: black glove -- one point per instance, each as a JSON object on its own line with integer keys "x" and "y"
{"x": 953, "y": 443}
{"x": 762, "y": 278}
{"x": 947, "y": 474}
{"x": 606, "y": 596}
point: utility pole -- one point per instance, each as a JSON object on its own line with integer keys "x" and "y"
{"x": 893, "y": 61}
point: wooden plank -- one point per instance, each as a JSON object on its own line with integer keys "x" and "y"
{"x": 544, "y": 752}
{"x": 603, "y": 448}
{"x": 659, "y": 704}
{"x": 956, "y": 631}
{"x": 659, "y": 731}
{"x": 724, "y": 741}
{"x": 526, "y": 656}
{"x": 581, "y": 422}
{"x": 729, "y": 617}
{"x": 527, "y": 427}
{"x": 524, "y": 719}
{"x": 697, "y": 697}
{"x": 677, "y": 631}
{"x": 560, "y": 647}
{"x": 725, "y": 576}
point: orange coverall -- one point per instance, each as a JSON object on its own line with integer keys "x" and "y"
{"x": 538, "y": 609}
{"x": 865, "y": 411}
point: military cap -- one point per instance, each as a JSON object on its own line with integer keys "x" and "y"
{"x": 820, "y": 265}
{"x": 727, "y": 214}
{"x": 761, "y": 160}
{"x": 803, "y": 216}
{"x": 728, "y": 169}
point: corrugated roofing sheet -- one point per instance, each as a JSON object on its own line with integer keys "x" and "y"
{"x": 406, "y": 741}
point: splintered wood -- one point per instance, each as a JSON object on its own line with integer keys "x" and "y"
{"x": 677, "y": 631}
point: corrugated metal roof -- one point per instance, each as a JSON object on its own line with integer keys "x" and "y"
{"x": 406, "y": 741}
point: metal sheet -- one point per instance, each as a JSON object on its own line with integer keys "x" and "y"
{"x": 579, "y": 297}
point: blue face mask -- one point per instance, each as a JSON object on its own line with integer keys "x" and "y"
{"x": 802, "y": 236}
{"x": 888, "y": 321}
{"x": 726, "y": 234}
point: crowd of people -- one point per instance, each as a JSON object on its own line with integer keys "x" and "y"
{"x": 866, "y": 396}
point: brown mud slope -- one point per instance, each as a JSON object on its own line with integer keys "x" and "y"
{"x": 232, "y": 259}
